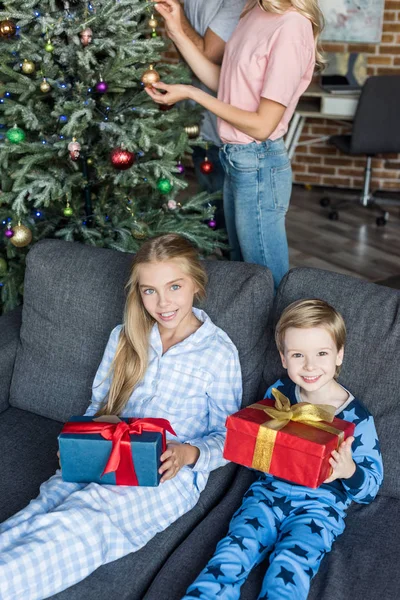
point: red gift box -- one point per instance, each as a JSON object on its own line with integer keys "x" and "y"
{"x": 292, "y": 442}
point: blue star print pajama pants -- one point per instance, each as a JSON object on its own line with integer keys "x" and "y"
{"x": 298, "y": 524}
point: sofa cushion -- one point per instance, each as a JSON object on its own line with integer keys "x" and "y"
{"x": 372, "y": 354}
{"x": 74, "y": 296}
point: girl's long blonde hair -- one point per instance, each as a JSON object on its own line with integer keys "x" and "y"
{"x": 308, "y": 8}
{"x": 131, "y": 358}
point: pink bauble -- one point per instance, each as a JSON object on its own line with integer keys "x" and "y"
{"x": 212, "y": 224}
{"x": 172, "y": 204}
{"x": 181, "y": 168}
{"x": 8, "y": 233}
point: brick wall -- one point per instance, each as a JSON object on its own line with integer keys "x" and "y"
{"x": 324, "y": 165}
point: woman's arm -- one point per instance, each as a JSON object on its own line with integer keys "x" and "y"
{"x": 259, "y": 124}
{"x": 207, "y": 71}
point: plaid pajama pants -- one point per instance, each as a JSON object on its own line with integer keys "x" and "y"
{"x": 71, "y": 529}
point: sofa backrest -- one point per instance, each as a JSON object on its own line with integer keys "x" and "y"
{"x": 371, "y": 364}
{"x": 74, "y": 296}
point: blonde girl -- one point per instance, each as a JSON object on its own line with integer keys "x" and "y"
{"x": 167, "y": 360}
{"x": 268, "y": 64}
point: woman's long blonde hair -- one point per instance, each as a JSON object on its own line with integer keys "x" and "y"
{"x": 308, "y": 8}
{"x": 131, "y": 358}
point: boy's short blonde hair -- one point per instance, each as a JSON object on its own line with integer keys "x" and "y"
{"x": 311, "y": 312}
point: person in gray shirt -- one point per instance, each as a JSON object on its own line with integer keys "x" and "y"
{"x": 210, "y": 24}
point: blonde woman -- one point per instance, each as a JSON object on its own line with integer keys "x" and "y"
{"x": 167, "y": 360}
{"x": 268, "y": 64}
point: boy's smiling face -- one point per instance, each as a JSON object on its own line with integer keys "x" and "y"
{"x": 310, "y": 357}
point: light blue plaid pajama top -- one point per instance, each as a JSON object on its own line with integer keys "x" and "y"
{"x": 71, "y": 529}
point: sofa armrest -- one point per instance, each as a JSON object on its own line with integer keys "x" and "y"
{"x": 10, "y": 325}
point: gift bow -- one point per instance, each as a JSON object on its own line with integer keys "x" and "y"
{"x": 120, "y": 459}
{"x": 316, "y": 415}
{"x": 303, "y": 412}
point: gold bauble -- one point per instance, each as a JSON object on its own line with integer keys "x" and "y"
{"x": 192, "y": 131}
{"x": 28, "y": 67}
{"x": 7, "y": 28}
{"x": 152, "y": 22}
{"x": 45, "y": 86}
{"x": 140, "y": 232}
{"x": 22, "y": 236}
{"x": 150, "y": 76}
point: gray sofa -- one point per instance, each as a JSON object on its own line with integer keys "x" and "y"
{"x": 49, "y": 353}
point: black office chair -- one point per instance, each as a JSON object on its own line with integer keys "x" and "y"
{"x": 376, "y": 130}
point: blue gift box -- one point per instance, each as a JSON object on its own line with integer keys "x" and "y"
{"x": 83, "y": 456}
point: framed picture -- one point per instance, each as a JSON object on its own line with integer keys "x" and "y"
{"x": 352, "y": 20}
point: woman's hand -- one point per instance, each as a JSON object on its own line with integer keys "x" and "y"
{"x": 342, "y": 461}
{"x": 172, "y": 93}
{"x": 175, "y": 457}
{"x": 171, "y": 11}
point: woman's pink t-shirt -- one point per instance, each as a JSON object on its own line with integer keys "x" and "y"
{"x": 270, "y": 56}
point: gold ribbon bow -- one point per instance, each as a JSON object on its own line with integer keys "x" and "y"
{"x": 281, "y": 415}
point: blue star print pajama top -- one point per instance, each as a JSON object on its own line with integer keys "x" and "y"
{"x": 71, "y": 529}
{"x": 296, "y": 524}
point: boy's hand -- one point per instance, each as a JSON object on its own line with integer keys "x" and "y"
{"x": 342, "y": 461}
{"x": 175, "y": 457}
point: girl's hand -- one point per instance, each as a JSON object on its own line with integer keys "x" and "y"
{"x": 172, "y": 93}
{"x": 342, "y": 461}
{"x": 171, "y": 11}
{"x": 175, "y": 457}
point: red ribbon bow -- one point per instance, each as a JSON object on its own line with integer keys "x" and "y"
{"x": 120, "y": 459}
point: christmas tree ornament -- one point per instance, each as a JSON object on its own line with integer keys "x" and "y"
{"x": 164, "y": 185}
{"x": 150, "y": 76}
{"x": 206, "y": 166}
{"x": 86, "y": 36}
{"x": 140, "y": 230}
{"x": 212, "y": 224}
{"x": 22, "y": 236}
{"x": 172, "y": 204}
{"x": 3, "y": 266}
{"x": 74, "y": 148}
{"x": 192, "y": 131}
{"x": 122, "y": 159}
{"x": 8, "y": 232}
{"x": 101, "y": 86}
{"x": 45, "y": 86}
{"x": 180, "y": 167}
{"x": 165, "y": 107}
{"x": 68, "y": 210}
{"x": 89, "y": 161}
{"x": 49, "y": 46}
{"x": 28, "y": 67}
{"x": 7, "y": 28}
{"x": 15, "y": 135}
{"x": 152, "y": 22}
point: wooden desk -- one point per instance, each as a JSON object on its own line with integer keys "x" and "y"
{"x": 314, "y": 103}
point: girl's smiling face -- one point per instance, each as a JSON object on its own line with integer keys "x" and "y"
{"x": 167, "y": 294}
{"x": 310, "y": 357}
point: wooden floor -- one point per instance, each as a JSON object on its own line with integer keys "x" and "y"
{"x": 354, "y": 244}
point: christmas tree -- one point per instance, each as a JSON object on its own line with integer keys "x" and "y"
{"x": 85, "y": 155}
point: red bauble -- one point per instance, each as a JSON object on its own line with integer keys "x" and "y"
{"x": 206, "y": 166}
{"x": 165, "y": 107}
{"x": 122, "y": 159}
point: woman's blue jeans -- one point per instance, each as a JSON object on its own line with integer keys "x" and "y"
{"x": 257, "y": 190}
